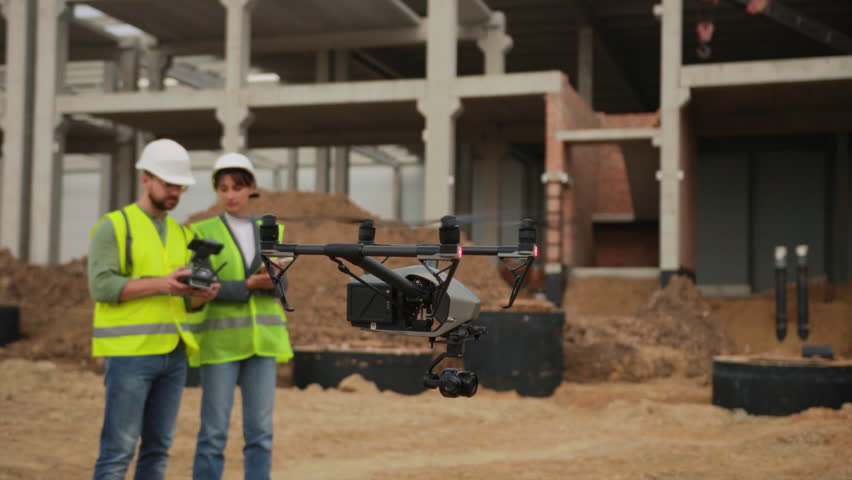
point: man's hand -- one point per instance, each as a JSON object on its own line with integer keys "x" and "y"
{"x": 173, "y": 286}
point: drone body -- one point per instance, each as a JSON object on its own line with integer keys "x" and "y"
{"x": 419, "y": 300}
{"x": 400, "y": 315}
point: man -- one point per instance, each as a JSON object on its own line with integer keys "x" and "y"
{"x": 137, "y": 256}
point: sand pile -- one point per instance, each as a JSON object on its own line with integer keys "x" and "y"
{"x": 674, "y": 334}
{"x": 608, "y": 295}
{"x": 56, "y": 312}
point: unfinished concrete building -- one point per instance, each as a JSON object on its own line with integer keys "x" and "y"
{"x": 635, "y": 143}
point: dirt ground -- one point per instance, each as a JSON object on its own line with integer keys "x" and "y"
{"x": 662, "y": 429}
{"x": 635, "y": 403}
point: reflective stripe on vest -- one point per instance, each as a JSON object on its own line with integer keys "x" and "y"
{"x": 149, "y": 325}
{"x": 236, "y": 322}
{"x": 139, "y": 329}
{"x": 230, "y": 331}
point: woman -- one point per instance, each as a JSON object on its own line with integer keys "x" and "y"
{"x": 242, "y": 333}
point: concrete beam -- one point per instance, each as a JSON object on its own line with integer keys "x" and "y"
{"x": 510, "y": 84}
{"x": 129, "y": 102}
{"x": 377, "y": 155}
{"x": 336, "y": 93}
{"x": 290, "y": 43}
{"x": 766, "y": 72}
{"x": 48, "y": 131}
{"x": 16, "y": 161}
{"x": 607, "y": 135}
{"x": 377, "y": 91}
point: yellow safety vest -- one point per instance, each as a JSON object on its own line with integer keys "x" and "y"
{"x": 231, "y": 331}
{"x": 148, "y": 325}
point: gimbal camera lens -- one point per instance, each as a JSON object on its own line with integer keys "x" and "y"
{"x": 455, "y": 383}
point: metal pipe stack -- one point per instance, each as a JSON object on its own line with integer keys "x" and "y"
{"x": 780, "y": 292}
{"x": 802, "y": 289}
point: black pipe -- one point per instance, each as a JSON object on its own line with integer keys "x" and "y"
{"x": 802, "y": 288}
{"x": 780, "y": 292}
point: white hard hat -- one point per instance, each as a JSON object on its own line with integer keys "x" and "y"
{"x": 233, "y": 160}
{"x": 167, "y": 160}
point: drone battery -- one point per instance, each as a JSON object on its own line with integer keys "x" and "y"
{"x": 364, "y": 306}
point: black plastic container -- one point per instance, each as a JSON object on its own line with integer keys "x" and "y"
{"x": 397, "y": 370}
{"x": 522, "y": 351}
{"x": 10, "y": 324}
{"x": 769, "y": 387}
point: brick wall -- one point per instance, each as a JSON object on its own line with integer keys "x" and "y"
{"x": 627, "y": 244}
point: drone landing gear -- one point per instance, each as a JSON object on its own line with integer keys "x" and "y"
{"x": 453, "y": 382}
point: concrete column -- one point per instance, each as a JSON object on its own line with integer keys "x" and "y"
{"x": 48, "y": 131}
{"x": 341, "y": 154}
{"x": 495, "y": 43}
{"x": 493, "y": 151}
{"x": 464, "y": 182}
{"x": 118, "y": 178}
{"x": 233, "y": 114}
{"x": 157, "y": 64}
{"x": 16, "y": 161}
{"x": 670, "y": 174}
{"x": 396, "y": 192}
{"x": 585, "y": 63}
{"x": 440, "y": 108}
{"x": 836, "y": 260}
{"x": 322, "y": 176}
{"x": 322, "y": 167}
{"x": 292, "y": 169}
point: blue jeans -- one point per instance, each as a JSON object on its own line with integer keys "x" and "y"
{"x": 256, "y": 378}
{"x": 142, "y": 399}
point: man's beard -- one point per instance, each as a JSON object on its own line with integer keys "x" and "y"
{"x": 162, "y": 204}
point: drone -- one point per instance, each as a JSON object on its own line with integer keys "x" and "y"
{"x": 418, "y": 300}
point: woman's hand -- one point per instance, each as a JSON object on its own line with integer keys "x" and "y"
{"x": 200, "y": 296}
{"x": 260, "y": 281}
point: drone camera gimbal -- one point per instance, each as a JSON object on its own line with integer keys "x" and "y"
{"x": 419, "y": 300}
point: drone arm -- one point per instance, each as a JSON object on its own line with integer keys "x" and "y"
{"x": 276, "y": 273}
{"x": 360, "y": 255}
{"x": 373, "y": 266}
{"x": 519, "y": 279}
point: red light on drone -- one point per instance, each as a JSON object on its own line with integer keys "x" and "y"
{"x": 459, "y": 251}
{"x": 535, "y": 250}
